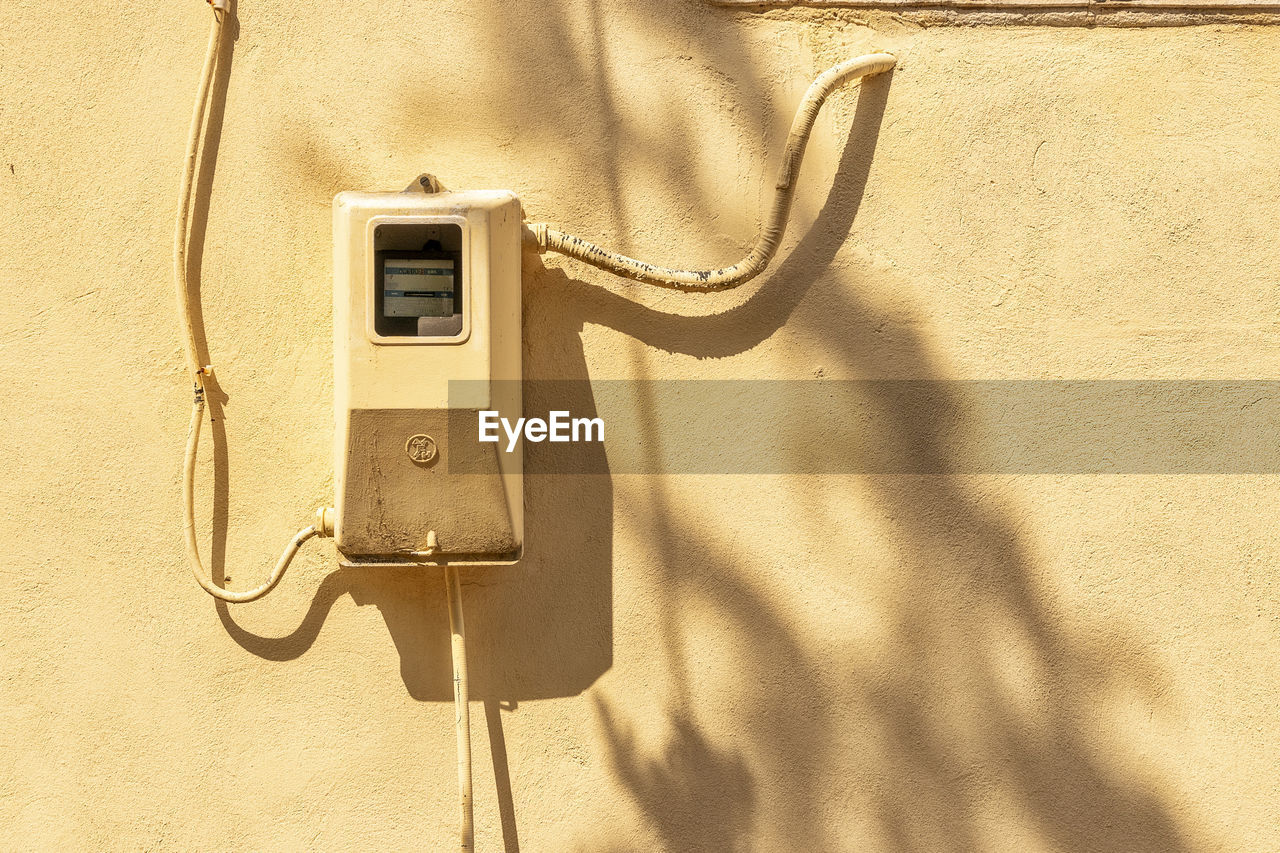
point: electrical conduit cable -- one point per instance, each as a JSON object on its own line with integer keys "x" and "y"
{"x": 197, "y": 371}
{"x": 548, "y": 239}
{"x": 184, "y": 208}
{"x": 462, "y": 714}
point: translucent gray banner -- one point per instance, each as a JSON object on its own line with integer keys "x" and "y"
{"x": 894, "y": 426}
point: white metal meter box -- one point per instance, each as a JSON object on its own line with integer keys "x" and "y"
{"x": 426, "y": 336}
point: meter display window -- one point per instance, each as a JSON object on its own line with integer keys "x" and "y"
{"x": 412, "y": 287}
{"x": 418, "y": 293}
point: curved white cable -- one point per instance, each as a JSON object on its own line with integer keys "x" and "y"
{"x": 194, "y": 368}
{"x": 184, "y": 207}
{"x": 189, "y": 528}
{"x": 548, "y": 239}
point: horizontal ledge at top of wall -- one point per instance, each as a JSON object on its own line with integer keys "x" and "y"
{"x": 1104, "y": 6}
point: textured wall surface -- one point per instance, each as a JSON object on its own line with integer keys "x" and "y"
{"x": 897, "y": 663}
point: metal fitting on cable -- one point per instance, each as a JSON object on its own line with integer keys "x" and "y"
{"x": 535, "y": 234}
{"x": 324, "y": 522}
{"x": 198, "y": 383}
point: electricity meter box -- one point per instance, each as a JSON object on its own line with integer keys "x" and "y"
{"x": 427, "y": 335}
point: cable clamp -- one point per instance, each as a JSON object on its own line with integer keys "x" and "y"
{"x": 198, "y": 383}
{"x": 324, "y": 522}
{"x": 535, "y": 233}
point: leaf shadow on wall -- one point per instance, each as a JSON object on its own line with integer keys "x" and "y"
{"x": 874, "y": 747}
{"x": 966, "y": 580}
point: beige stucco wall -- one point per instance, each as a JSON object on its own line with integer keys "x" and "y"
{"x": 683, "y": 663}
